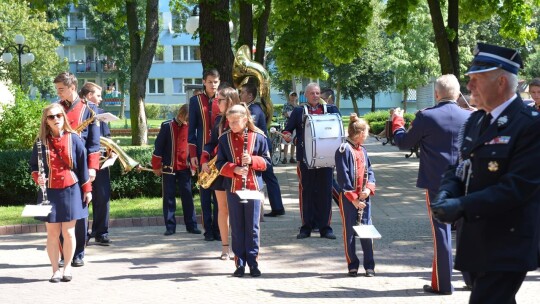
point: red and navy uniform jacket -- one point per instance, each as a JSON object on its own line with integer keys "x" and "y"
{"x": 77, "y": 112}
{"x": 64, "y": 162}
{"x": 351, "y": 162}
{"x": 296, "y": 122}
{"x": 200, "y": 124}
{"x": 171, "y": 148}
{"x": 210, "y": 149}
{"x": 435, "y": 130}
{"x": 229, "y": 157}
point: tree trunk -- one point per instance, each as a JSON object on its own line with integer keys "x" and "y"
{"x": 142, "y": 56}
{"x": 354, "y": 104}
{"x": 372, "y": 96}
{"x": 262, "y": 32}
{"x": 245, "y": 33}
{"x": 441, "y": 37}
{"x": 338, "y": 93}
{"x": 453, "y": 24}
{"x": 405, "y": 98}
{"x": 215, "y": 39}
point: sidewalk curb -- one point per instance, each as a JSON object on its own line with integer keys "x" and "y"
{"x": 120, "y": 222}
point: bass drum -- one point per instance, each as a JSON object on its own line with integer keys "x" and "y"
{"x": 323, "y": 134}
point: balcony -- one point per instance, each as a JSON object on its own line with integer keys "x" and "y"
{"x": 80, "y": 34}
{"x": 92, "y": 66}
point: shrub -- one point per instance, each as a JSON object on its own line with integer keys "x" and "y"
{"x": 19, "y": 122}
{"x": 377, "y": 120}
{"x": 18, "y": 188}
{"x": 152, "y": 110}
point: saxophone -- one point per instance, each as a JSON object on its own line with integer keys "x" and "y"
{"x": 87, "y": 122}
{"x": 205, "y": 180}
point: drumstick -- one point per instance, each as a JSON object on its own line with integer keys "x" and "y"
{"x": 274, "y": 130}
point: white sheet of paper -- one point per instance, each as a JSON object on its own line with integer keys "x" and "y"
{"x": 367, "y": 232}
{"x": 36, "y": 210}
{"x": 289, "y": 113}
{"x": 106, "y": 117}
{"x": 250, "y": 195}
{"x": 110, "y": 161}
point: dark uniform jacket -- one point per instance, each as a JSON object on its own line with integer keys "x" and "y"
{"x": 201, "y": 118}
{"x": 435, "y": 130}
{"x": 501, "y": 228}
{"x": 170, "y": 148}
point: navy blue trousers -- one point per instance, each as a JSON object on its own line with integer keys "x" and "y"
{"x": 244, "y": 220}
{"x": 315, "y": 198}
{"x": 182, "y": 180}
{"x": 209, "y": 212}
{"x": 101, "y": 195}
{"x": 441, "y": 274}
{"x": 349, "y": 216}
{"x": 272, "y": 185}
{"x": 497, "y": 287}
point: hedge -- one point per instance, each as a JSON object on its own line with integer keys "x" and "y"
{"x": 18, "y": 188}
{"x": 377, "y": 120}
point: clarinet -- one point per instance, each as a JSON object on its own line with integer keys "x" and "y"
{"x": 41, "y": 168}
{"x": 361, "y": 211}
{"x": 244, "y": 177}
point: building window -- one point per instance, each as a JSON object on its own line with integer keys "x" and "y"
{"x": 178, "y": 85}
{"x": 75, "y": 21}
{"x": 159, "y": 53}
{"x": 176, "y": 53}
{"x": 155, "y": 86}
{"x": 189, "y": 52}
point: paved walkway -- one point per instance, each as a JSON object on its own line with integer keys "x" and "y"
{"x": 143, "y": 266}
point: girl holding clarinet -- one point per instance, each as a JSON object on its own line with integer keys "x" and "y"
{"x": 241, "y": 157}
{"x": 64, "y": 173}
{"x": 356, "y": 182}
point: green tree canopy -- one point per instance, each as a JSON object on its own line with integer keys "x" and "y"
{"x": 18, "y": 18}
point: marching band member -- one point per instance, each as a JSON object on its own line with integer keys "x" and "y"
{"x": 247, "y": 96}
{"x": 534, "y": 91}
{"x": 315, "y": 184}
{"x": 226, "y": 98}
{"x": 242, "y": 156}
{"x": 201, "y": 115}
{"x": 101, "y": 192}
{"x": 356, "y": 181}
{"x": 69, "y": 189}
{"x": 435, "y": 130}
{"x": 80, "y": 113}
{"x": 170, "y": 160}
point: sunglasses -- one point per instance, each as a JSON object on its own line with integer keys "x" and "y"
{"x": 51, "y": 117}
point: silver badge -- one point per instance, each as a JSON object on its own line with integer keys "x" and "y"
{"x": 502, "y": 121}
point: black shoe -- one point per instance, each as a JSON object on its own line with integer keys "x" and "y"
{"x": 239, "y": 272}
{"x": 217, "y": 237}
{"x": 209, "y": 238}
{"x": 56, "y": 277}
{"x": 194, "y": 231}
{"x": 370, "y": 273}
{"x": 353, "y": 273}
{"x": 61, "y": 263}
{"x": 429, "y": 289}
{"x": 292, "y": 161}
{"x": 67, "y": 278}
{"x": 302, "y": 235}
{"x": 275, "y": 213}
{"x": 103, "y": 240}
{"x": 329, "y": 235}
{"x": 254, "y": 271}
{"x": 77, "y": 262}
{"x": 169, "y": 232}
{"x": 467, "y": 287}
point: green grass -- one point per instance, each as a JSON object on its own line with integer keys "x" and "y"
{"x": 121, "y": 208}
{"x": 126, "y": 140}
{"x": 126, "y": 123}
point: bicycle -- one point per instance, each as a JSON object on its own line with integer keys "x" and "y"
{"x": 275, "y": 144}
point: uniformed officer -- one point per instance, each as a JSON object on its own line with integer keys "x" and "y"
{"x": 201, "y": 119}
{"x": 495, "y": 185}
{"x": 80, "y": 112}
{"x": 101, "y": 191}
{"x": 316, "y": 183}
{"x": 435, "y": 130}
{"x": 247, "y": 96}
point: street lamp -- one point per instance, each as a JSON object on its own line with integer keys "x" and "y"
{"x": 22, "y": 50}
{"x": 192, "y": 23}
